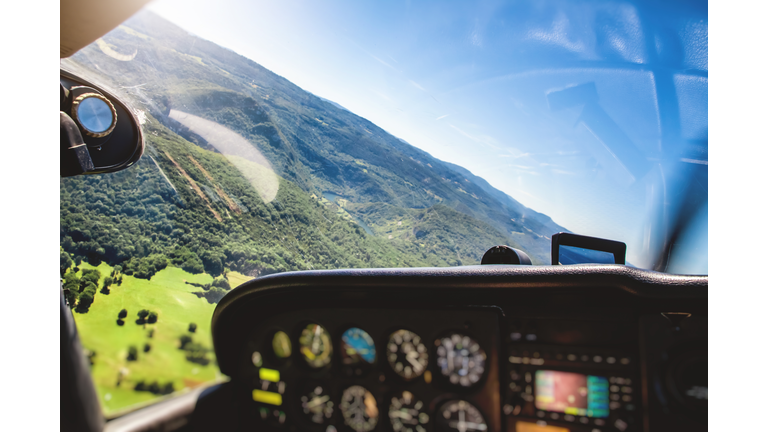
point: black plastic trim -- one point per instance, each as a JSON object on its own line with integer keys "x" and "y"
{"x": 440, "y": 287}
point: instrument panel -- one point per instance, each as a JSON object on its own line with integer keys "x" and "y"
{"x": 360, "y": 370}
{"x": 501, "y": 349}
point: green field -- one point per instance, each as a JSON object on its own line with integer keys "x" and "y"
{"x": 176, "y": 306}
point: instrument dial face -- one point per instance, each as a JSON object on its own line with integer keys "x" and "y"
{"x": 460, "y": 359}
{"x": 406, "y": 354}
{"x": 461, "y": 416}
{"x": 281, "y": 345}
{"x": 315, "y": 346}
{"x": 358, "y": 407}
{"x": 317, "y": 406}
{"x": 357, "y": 347}
{"x": 406, "y": 413}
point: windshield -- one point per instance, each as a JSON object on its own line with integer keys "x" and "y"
{"x": 305, "y": 135}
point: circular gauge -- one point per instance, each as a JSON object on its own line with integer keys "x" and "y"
{"x": 357, "y": 347}
{"x": 406, "y": 354}
{"x": 315, "y": 345}
{"x": 460, "y": 359}
{"x": 358, "y": 407}
{"x": 459, "y": 415}
{"x": 317, "y": 406}
{"x": 281, "y": 345}
{"x": 406, "y": 414}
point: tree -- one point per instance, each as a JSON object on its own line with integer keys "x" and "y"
{"x": 90, "y": 355}
{"x": 214, "y": 295}
{"x": 71, "y": 282}
{"x": 184, "y": 341}
{"x": 196, "y": 353}
{"x": 84, "y": 301}
{"x": 108, "y": 281}
{"x": 147, "y": 347}
{"x": 90, "y": 275}
{"x": 152, "y": 317}
{"x": 70, "y": 297}
{"x": 192, "y": 327}
{"x": 88, "y": 287}
{"x": 142, "y": 316}
{"x": 123, "y": 313}
{"x": 65, "y": 262}
{"x": 167, "y": 389}
{"x": 221, "y": 283}
{"x": 133, "y": 353}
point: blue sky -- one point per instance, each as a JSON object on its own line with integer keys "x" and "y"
{"x": 475, "y": 83}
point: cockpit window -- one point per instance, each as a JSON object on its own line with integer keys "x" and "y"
{"x": 349, "y": 135}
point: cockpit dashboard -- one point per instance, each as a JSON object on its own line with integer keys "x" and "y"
{"x": 481, "y": 348}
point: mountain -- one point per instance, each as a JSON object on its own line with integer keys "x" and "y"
{"x": 332, "y": 103}
{"x": 235, "y": 118}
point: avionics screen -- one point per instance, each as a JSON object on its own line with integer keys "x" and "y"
{"x": 572, "y": 393}
{"x": 577, "y": 255}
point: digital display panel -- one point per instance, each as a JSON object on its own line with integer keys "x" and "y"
{"x": 533, "y": 427}
{"x": 577, "y": 255}
{"x": 572, "y": 393}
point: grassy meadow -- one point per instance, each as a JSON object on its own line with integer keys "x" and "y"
{"x": 176, "y": 307}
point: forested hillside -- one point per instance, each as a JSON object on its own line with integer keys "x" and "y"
{"x": 198, "y": 202}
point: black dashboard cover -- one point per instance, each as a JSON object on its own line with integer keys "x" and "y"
{"x": 555, "y": 289}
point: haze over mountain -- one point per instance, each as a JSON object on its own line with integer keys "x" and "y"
{"x": 415, "y": 209}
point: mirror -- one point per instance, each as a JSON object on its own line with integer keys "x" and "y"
{"x": 99, "y": 134}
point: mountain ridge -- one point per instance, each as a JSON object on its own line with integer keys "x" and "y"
{"x": 309, "y": 140}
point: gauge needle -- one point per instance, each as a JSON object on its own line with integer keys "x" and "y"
{"x": 411, "y": 357}
{"x": 401, "y": 414}
{"x": 308, "y": 353}
{"x": 464, "y": 426}
{"x": 316, "y": 339}
{"x": 317, "y": 401}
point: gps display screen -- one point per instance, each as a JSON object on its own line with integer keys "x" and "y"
{"x": 572, "y": 393}
{"x": 577, "y": 255}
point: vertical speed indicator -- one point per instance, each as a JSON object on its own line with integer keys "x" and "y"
{"x": 406, "y": 354}
{"x": 408, "y": 414}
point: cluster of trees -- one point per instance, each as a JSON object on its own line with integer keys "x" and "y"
{"x": 133, "y": 353}
{"x": 214, "y": 291}
{"x": 193, "y": 351}
{"x": 146, "y": 316}
{"x": 79, "y": 292}
{"x": 219, "y": 282}
{"x": 155, "y": 388}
